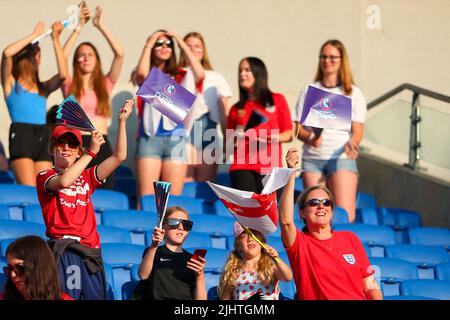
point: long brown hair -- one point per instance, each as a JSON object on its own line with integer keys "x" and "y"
{"x": 98, "y": 80}
{"x": 235, "y": 262}
{"x": 41, "y": 274}
{"x": 345, "y": 74}
{"x": 170, "y": 66}
{"x": 24, "y": 68}
{"x": 205, "y": 60}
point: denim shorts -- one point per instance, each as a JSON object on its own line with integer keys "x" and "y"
{"x": 328, "y": 167}
{"x": 197, "y": 136}
{"x": 161, "y": 147}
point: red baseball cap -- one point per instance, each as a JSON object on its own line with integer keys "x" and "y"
{"x": 61, "y": 130}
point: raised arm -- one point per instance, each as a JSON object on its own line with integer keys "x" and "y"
{"x": 281, "y": 269}
{"x": 288, "y": 229}
{"x": 110, "y": 164}
{"x": 116, "y": 65}
{"x": 143, "y": 67}
{"x": 7, "y": 78}
{"x": 63, "y": 70}
{"x": 146, "y": 265}
{"x": 82, "y": 20}
{"x": 197, "y": 68}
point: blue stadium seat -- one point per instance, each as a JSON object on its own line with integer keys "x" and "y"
{"x": 430, "y": 237}
{"x": 220, "y": 209}
{"x": 212, "y": 279}
{"x": 218, "y": 227}
{"x": 110, "y": 294}
{"x": 136, "y": 222}
{"x": 276, "y": 243}
{"x": 3, "y": 279}
{"x": 127, "y": 185}
{"x": 437, "y": 289}
{"x": 119, "y": 259}
{"x": 340, "y": 216}
{"x": 212, "y": 293}
{"x": 365, "y": 200}
{"x": 215, "y": 258}
{"x": 407, "y": 298}
{"x": 391, "y": 272}
{"x": 128, "y": 288}
{"x": 7, "y": 177}
{"x": 113, "y": 235}
{"x": 368, "y": 215}
{"x": 400, "y": 220}
{"x": 191, "y": 205}
{"x": 223, "y": 178}
{"x": 199, "y": 190}
{"x": 424, "y": 257}
{"x": 14, "y": 229}
{"x": 197, "y": 240}
{"x": 4, "y": 244}
{"x": 109, "y": 200}
{"x": 299, "y": 184}
{"x": 287, "y": 289}
{"x": 16, "y": 197}
{"x": 4, "y": 212}
{"x": 33, "y": 213}
{"x": 377, "y": 237}
{"x": 442, "y": 271}
{"x": 135, "y": 273}
{"x": 123, "y": 172}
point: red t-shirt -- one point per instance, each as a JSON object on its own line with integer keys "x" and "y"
{"x": 260, "y": 157}
{"x": 70, "y": 211}
{"x": 331, "y": 269}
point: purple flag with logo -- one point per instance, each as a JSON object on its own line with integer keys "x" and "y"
{"x": 323, "y": 109}
{"x": 168, "y": 97}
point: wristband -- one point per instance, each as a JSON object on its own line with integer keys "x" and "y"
{"x": 91, "y": 153}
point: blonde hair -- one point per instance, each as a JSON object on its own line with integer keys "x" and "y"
{"x": 345, "y": 74}
{"x": 205, "y": 60}
{"x": 235, "y": 262}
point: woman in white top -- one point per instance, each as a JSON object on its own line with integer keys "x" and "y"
{"x": 329, "y": 157}
{"x": 211, "y": 107}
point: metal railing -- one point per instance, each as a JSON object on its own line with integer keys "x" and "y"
{"x": 414, "y": 140}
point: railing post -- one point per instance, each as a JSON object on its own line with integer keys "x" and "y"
{"x": 414, "y": 138}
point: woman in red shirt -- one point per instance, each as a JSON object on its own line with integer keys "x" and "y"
{"x": 260, "y": 122}
{"x": 31, "y": 271}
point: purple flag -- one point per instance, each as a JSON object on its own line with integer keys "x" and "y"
{"x": 323, "y": 109}
{"x": 168, "y": 97}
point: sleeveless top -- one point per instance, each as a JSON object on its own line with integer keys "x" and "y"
{"x": 25, "y": 106}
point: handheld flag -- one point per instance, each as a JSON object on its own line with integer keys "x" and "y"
{"x": 162, "y": 192}
{"x": 326, "y": 110}
{"x": 168, "y": 97}
{"x": 68, "y": 23}
{"x": 255, "y": 120}
{"x": 70, "y": 114}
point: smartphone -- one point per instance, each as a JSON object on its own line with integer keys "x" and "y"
{"x": 199, "y": 253}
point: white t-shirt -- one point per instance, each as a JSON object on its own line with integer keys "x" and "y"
{"x": 333, "y": 141}
{"x": 214, "y": 87}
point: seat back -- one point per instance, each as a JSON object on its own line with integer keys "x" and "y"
{"x": 442, "y": 271}
{"x": 113, "y": 235}
{"x": 430, "y": 236}
{"x": 14, "y": 229}
{"x": 340, "y": 215}
{"x": 365, "y": 200}
{"x": 400, "y": 220}
{"x": 198, "y": 190}
{"x": 215, "y": 258}
{"x": 128, "y": 289}
{"x": 109, "y": 200}
{"x": 191, "y": 205}
{"x": 4, "y": 212}
{"x": 437, "y": 289}
{"x": 16, "y": 197}
{"x": 33, "y": 213}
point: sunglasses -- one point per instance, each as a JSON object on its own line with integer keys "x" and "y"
{"x": 19, "y": 269}
{"x": 316, "y": 202}
{"x": 71, "y": 143}
{"x": 173, "y": 223}
{"x": 332, "y": 58}
{"x": 161, "y": 42}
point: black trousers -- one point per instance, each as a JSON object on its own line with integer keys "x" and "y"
{"x": 247, "y": 180}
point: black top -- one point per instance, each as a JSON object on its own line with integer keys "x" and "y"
{"x": 170, "y": 278}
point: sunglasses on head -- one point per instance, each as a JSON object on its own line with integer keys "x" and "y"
{"x": 173, "y": 223}
{"x": 316, "y": 202}
{"x": 161, "y": 42}
{"x": 19, "y": 269}
{"x": 71, "y": 143}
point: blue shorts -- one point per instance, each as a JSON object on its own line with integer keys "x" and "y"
{"x": 77, "y": 281}
{"x": 328, "y": 167}
{"x": 197, "y": 137}
{"x": 162, "y": 147}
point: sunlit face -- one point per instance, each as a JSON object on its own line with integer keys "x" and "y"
{"x": 330, "y": 60}
{"x": 162, "y": 52}
{"x": 246, "y": 78}
{"x": 176, "y": 236}
{"x": 17, "y": 278}
{"x": 248, "y": 246}
{"x": 317, "y": 214}
{"x": 87, "y": 60}
{"x": 196, "y": 46}
{"x": 66, "y": 150}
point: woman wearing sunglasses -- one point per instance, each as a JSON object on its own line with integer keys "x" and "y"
{"x": 160, "y": 148}
{"x": 31, "y": 272}
{"x": 329, "y": 156}
{"x": 327, "y": 264}
{"x": 90, "y": 85}
{"x": 169, "y": 272}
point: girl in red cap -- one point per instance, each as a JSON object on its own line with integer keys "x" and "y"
{"x": 65, "y": 196}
